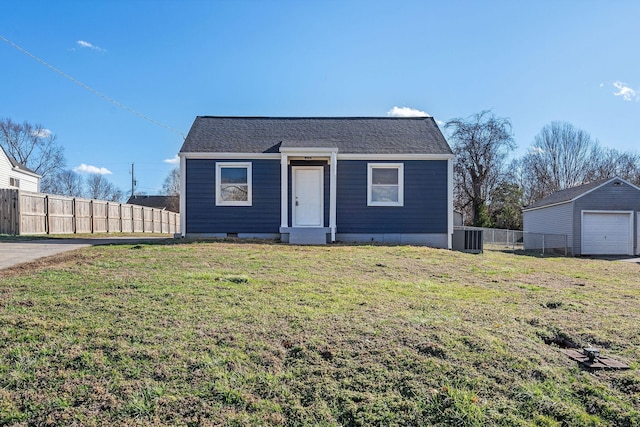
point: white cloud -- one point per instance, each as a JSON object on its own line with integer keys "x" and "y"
{"x": 440, "y": 123}
{"x": 42, "y": 133}
{"x": 173, "y": 161}
{"x": 627, "y": 93}
{"x": 536, "y": 150}
{"x": 83, "y": 43}
{"x": 91, "y": 169}
{"x": 406, "y": 112}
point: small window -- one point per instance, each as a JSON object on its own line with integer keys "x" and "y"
{"x": 233, "y": 184}
{"x": 14, "y": 182}
{"x": 385, "y": 184}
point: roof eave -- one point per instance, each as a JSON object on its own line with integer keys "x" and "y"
{"x": 26, "y": 172}
{"x": 341, "y": 156}
{"x": 527, "y": 209}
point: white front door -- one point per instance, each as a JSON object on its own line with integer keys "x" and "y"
{"x": 308, "y": 196}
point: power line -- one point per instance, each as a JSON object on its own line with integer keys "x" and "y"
{"x": 90, "y": 89}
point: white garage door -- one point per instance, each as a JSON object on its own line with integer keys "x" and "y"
{"x": 607, "y": 233}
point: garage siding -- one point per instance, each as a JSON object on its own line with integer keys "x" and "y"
{"x": 550, "y": 220}
{"x": 609, "y": 197}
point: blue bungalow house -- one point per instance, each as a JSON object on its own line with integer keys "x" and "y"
{"x": 318, "y": 180}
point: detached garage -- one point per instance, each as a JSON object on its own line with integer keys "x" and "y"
{"x": 599, "y": 218}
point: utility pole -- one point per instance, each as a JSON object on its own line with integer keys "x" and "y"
{"x": 133, "y": 181}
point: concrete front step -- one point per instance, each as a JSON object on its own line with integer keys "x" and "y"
{"x": 308, "y": 236}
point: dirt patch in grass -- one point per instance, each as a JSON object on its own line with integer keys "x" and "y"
{"x": 220, "y": 333}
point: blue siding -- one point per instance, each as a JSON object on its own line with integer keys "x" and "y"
{"x": 424, "y": 211}
{"x": 425, "y": 200}
{"x": 203, "y": 216}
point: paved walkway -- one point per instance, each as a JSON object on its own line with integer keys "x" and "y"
{"x": 19, "y": 251}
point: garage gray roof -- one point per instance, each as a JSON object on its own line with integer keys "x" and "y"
{"x": 569, "y": 194}
{"x": 357, "y": 135}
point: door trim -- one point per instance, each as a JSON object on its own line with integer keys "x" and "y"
{"x": 294, "y": 169}
{"x": 637, "y": 233}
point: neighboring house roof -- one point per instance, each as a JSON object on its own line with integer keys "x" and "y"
{"x": 357, "y": 135}
{"x": 573, "y": 193}
{"x": 170, "y": 203}
{"x": 19, "y": 166}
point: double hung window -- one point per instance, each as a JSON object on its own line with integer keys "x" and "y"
{"x": 233, "y": 184}
{"x": 385, "y": 184}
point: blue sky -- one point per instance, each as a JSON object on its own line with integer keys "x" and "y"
{"x": 533, "y": 62}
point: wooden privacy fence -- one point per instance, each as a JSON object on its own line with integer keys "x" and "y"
{"x": 24, "y": 213}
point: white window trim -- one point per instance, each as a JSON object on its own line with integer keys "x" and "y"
{"x": 400, "y": 168}
{"x": 219, "y": 167}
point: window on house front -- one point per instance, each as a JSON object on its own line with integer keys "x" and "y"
{"x": 233, "y": 184}
{"x": 385, "y": 184}
{"x": 14, "y": 182}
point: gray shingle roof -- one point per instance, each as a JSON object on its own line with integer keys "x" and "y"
{"x": 353, "y": 135}
{"x": 568, "y": 194}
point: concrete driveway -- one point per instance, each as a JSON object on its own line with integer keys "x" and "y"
{"x": 19, "y": 251}
{"x": 623, "y": 258}
{"x": 636, "y": 260}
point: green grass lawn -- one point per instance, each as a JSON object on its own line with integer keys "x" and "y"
{"x": 224, "y": 333}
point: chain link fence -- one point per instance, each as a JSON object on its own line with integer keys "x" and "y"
{"x": 515, "y": 240}
{"x": 548, "y": 244}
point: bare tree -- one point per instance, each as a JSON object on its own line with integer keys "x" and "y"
{"x": 98, "y": 187}
{"x": 171, "y": 185}
{"x": 608, "y": 162}
{"x": 560, "y": 157}
{"x": 32, "y": 145}
{"x": 65, "y": 183}
{"x": 563, "y": 156}
{"x": 481, "y": 144}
